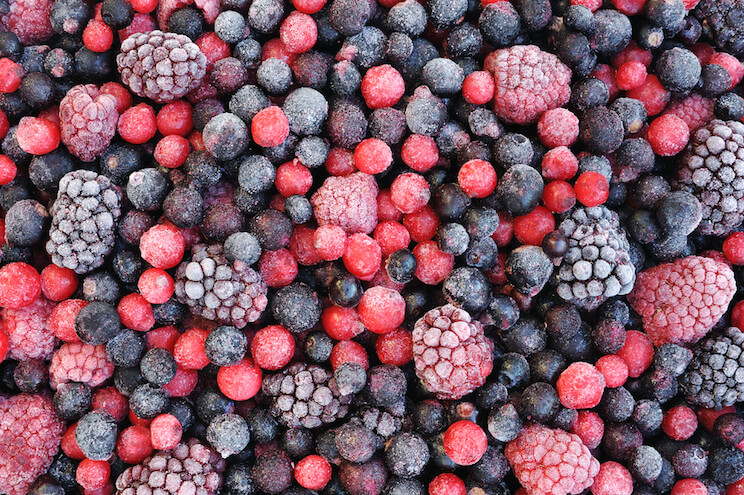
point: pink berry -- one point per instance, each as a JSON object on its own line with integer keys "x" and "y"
{"x": 465, "y": 442}
{"x": 165, "y": 432}
{"x": 612, "y": 479}
{"x": 272, "y": 347}
{"x": 580, "y": 386}
{"x": 382, "y": 310}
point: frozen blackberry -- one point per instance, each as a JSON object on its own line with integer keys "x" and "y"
{"x": 714, "y": 376}
{"x": 678, "y": 69}
{"x": 306, "y": 110}
{"x": 101, "y": 286}
{"x": 97, "y": 323}
{"x": 220, "y": 290}
{"x": 180, "y": 69}
{"x": 597, "y": 265}
{"x": 147, "y": 189}
{"x": 720, "y": 21}
{"x": 528, "y": 269}
{"x": 305, "y": 395}
{"x": 158, "y": 366}
{"x": 296, "y": 307}
{"x": 125, "y": 348}
{"x": 95, "y": 434}
{"x": 184, "y": 207}
{"x": 228, "y": 434}
{"x": 83, "y": 220}
{"x": 729, "y": 106}
{"x": 225, "y": 346}
{"x": 467, "y": 288}
{"x": 72, "y": 400}
{"x": 275, "y": 76}
{"x": 148, "y": 400}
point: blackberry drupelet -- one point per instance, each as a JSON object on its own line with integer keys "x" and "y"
{"x": 721, "y": 21}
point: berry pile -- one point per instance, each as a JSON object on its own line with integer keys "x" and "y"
{"x": 371, "y": 247}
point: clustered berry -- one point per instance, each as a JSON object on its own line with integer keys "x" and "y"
{"x": 371, "y": 247}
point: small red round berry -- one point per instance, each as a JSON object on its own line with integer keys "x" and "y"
{"x": 162, "y": 246}
{"x": 612, "y": 479}
{"x": 477, "y": 178}
{"x": 301, "y": 246}
{"x": 589, "y": 427}
{"x": 652, "y": 94}
{"x": 478, "y": 87}
{"x": 433, "y": 265}
{"x": 278, "y": 268}
{"x": 679, "y": 423}
{"x": 240, "y": 381}
{"x": 270, "y": 127}
{"x": 183, "y": 383}
{"x": 92, "y": 475}
{"x": 465, "y": 442}
{"x": 11, "y": 75}
{"x": 558, "y": 127}
{"x": 410, "y": 192}
{"x": 122, "y": 96}
{"x": 349, "y": 351}
{"x": 606, "y": 74}
{"x": 559, "y": 164}
{"x": 592, "y": 5}
{"x": 112, "y": 401}
{"x": 737, "y": 315}
{"x": 175, "y": 118}
{"x": 165, "y": 432}
{"x": 136, "y": 313}
{"x": 733, "y": 248}
{"x": 736, "y": 488}
{"x": 4, "y": 346}
{"x": 341, "y": 323}
{"x": 272, "y": 347}
{"x": 532, "y": 227}
{"x": 592, "y": 189}
{"x": 313, "y": 472}
{"x": 70, "y": 446}
{"x": 732, "y": 65}
{"x": 189, "y": 349}
{"x": 58, "y": 283}
{"x": 163, "y": 338}
{"x": 691, "y": 486}
{"x": 137, "y": 124}
{"x": 707, "y": 417}
{"x": 156, "y": 285}
{"x": 274, "y": 48}
{"x": 8, "y": 170}
{"x": 144, "y": 6}
{"x": 308, "y": 7}
{"x": 580, "y": 386}
{"x": 668, "y": 135}
{"x": 391, "y": 236}
{"x": 395, "y": 347}
{"x": 362, "y": 256}
{"x": 340, "y": 162}
{"x": 62, "y": 319}
{"x": 614, "y": 370}
{"x": 382, "y": 86}
{"x": 631, "y": 75}
{"x": 637, "y": 352}
{"x": 98, "y": 36}
{"x": 298, "y": 32}
{"x": 172, "y": 151}
{"x": 134, "y": 445}
{"x": 381, "y": 309}
{"x": 632, "y": 52}
{"x": 372, "y": 156}
{"x": 37, "y": 136}
{"x": 329, "y": 241}
{"x": 505, "y": 230}
{"x": 386, "y": 210}
{"x": 4, "y": 125}
{"x": 213, "y": 48}
{"x": 21, "y": 285}
{"x": 419, "y": 152}
{"x": 558, "y": 196}
{"x": 422, "y": 225}
{"x": 447, "y": 484}
{"x": 293, "y": 178}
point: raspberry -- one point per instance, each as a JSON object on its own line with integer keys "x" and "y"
{"x": 349, "y": 202}
{"x": 451, "y": 353}
{"x": 681, "y": 301}
{"x": 30, "y": 434}
{"x": 695, "y": 109}
{"x": 668, "y": 135}
{"x": 80, "y": 362}
{"x": 28, "y": 334}
{"x": 30, "y": 20}
{"x": 558, "y": 127}
{"x": 87, "y": 121}
{"x": 179, "y": 68}
{"x": 580, "y": 386}
{"x": 551, "y": 462}
{"x": 528, "y": 81}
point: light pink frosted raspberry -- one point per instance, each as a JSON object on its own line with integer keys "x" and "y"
{"x": 452, "y": 356}
{"x": 695, "y": 109}
{"x": 30, "y": 20}
{"x": 551, "y": 462}
{"x": 87, "y": 121}
{"x": 80, "y": 362}
{"x": 210, "y": 9}
{"x": 681, "y": 301}
{"x": 27, "y": 330}
{"x": 528, "y": 82}
{"x": 349, "y": 202}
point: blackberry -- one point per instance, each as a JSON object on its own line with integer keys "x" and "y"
{"x": 219, "y": 290}
{"x": 597, "y": 264}
{"x": 72, "y": 400}
{"x": 180, "y": 69}
{"x": 225, "y": 346}
{"x": 715, "y": 376}
{"x": 381, "y": 422}
{"x": 228, "y": 434}
{"x": 709, "y": 170}
{"x": 305, "y": 395}
{"x": 296, "y": 307}
{"x": 83, "y": 221}
{"x": 95, "y": 434}
{"x": 720, "y": 20}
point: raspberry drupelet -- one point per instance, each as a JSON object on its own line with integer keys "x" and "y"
{"x": 87, "y": 120}
{"x": 30, "y": 20}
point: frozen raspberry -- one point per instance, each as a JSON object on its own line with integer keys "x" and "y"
{"x": 209, "y": 8}
{"x": 30, "y": 434}
{"x": 161, "y": 66}
{"x": 349, "y": 202}
{"x": 30, "y": 20}
{"x": 528, "y": 83}
{"x": 681, "y": 301}
{"x": 551, "y": 462}
{"x": 451, "y": 353}
{"x": 27, "y": 331}
{"x": 696, "y": 110}
{"x": 80, "y": 362}
{"x": 87, "y": 120}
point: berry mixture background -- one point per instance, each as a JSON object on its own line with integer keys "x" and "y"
{"x": 371, "y": 247}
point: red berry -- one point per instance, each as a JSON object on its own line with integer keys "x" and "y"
{"x": 165, "y": 432}
{"x": 308, "y": 7}
{"x": 21, "y": 285}
{"x": 58, "y": 283}
{"x": 175, "y": 118}
{"x": 382, "y": 86}
{"x": 137, "y": 124}
{"x": 270, "y": 126}
{"x": 505, "y": 230}
{"x": 465, "y": 442}
{"x": 213, "y": 48}
{"x": 679, "y": 423}
{"x": 612, "y": 479}
{"x": 121, "y": 95}
{"x": 340, "y": 162}
{"x": 4, "y": 125}
{"x": 189, "y": 349}
{"x": 477, "y": 178}
{"x": 272, "y": 347}
{"x": 592, "y": 188}
{"x": 606, "y": 74}
{"x": 372, "y": 156}
{"x": 134, "y": 445}
{"x": 156, "y": 285}
{"x": 4, "y": 346}
{"x": 8, "y": 170}
{"x": 580, "y": 386}
{"x": 733, "y": 248}
{"x": 386, "y": 210}
{"x": 240, "y": 381}
{"x": 362, "y": 256}
{"x": 62, "y": 319}
{"x": 638, "y": 352}
{"x": 589, "y": 427}
{"x": 559, "y": 164}
{"x": 298, "y": 32}
{"x": 632, "y": 53}
{"x": 329, "y": 241}
{"x": 447, "y": 484}
{"x": 737, "y": 315}
{"x": 349, "y": 351}
{"x": 708, "y": 417}
{"x": 11, "y": 75}
{"x": 558, "y": 127}
{"x": 629, "y": 7}
{"x": 278, "y": 268}
{"x": 163, "y": 338}
{"x": 98, "y": 36}
{"x": 532, "y": 227}
{"x": 382, "y": 310}
{"x": 732, "y": 65}
{"x": 274, "y": 48}
{"x": 112, "y": 401}
{"x": 691, "y": 486}
{"x": 410, "y": 192}
{"x": 652, "y": 94}
{"x": 391, "y": 236}
{"x": 37, "y": 136}
{"x": 422, "y": 225}
{"x": 419, "y": 152}
{"x": 433, "y": 265}
{"x": 395, "y": 347}
{"x": 70, "y": 446}
{"x": 293, "y": 178}
{"x": 136, "y": 313}
{"x": 592, "y": 5}
{"x": 162, "y": 246}
{"x": 341, "y": 323}
{"x": 92, "y": 475}
{"x": 614, "y": 370}
{"x": 144, "y": 6}
{"x": 313, "y": 472}
{"x": 558, "y": 196}
{"x": 631, "y": 75}
{"x": 478, "y": 87}
{"x": 172, "y": 151}
{"x": 183, "y": 383}
{"x": 668, "y": 135}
